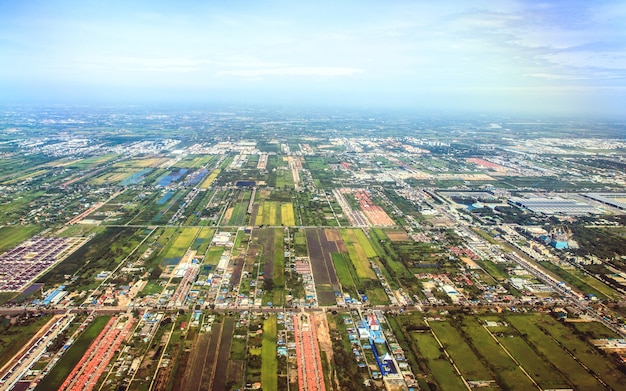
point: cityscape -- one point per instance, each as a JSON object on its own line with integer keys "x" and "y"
{"x": 230, "y": 248}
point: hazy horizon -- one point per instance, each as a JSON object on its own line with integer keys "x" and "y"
{"x": 519, "y": 57}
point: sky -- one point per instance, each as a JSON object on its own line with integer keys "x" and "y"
{"x": 533, "y": 57}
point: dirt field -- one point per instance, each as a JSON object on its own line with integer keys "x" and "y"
{"x": 332, "y": 235}
{"x": 323, "y": 336}
{"x": 209, "y": 361}
{"x": 397, "y": 236}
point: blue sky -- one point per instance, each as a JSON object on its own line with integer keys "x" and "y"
{"x": 544, "y": 57}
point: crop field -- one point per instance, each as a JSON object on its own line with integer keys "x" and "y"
{"x": 520, "y": 352}
{"x": 203, "y": 240}
{"x": 15, "y": 336}
{"x": 286, "y": 214}
{"x": 101, "y": 253}
{"x": 344, "y": 272}
{"x": 267, "y": 213}
{"x": 25, "y": 176}
{"x": 54, "y": 379}
{"x": 178, "y": 246}
{"x": 115, "y": 176}
{"x": 583, "y": 351}
{"x": 593, "y": 330}
{"x": 208, "y": 181}
{"x": 549, "y": 348}
{"x": 237, "y": 214}
{"x": 92, "y": 161}
{"x": 195, "y": 161}
{"x": 360, "y": 250}
{"x": 466, "y": 360}
{"x": 269, "y": 366}
{"x": 442, "y": 370}
{"x": 320, "y": 253}
{"x": 11, "y": 236}
{"x": 507, "y": 370}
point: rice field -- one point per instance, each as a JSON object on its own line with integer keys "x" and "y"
{"x": 286, "y": 214}
{"x": 210, "y": 179}
{"x": 359, "y": 254}
{"x": 181, "y": 243}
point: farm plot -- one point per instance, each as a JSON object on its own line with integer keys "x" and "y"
{"x": 320, "y": 254}
{"x": 178, "y": 246}
{"x": 237, "y": 214}
{"x": 12, "y": 235}
{"x": 506, "y": 369}
{"x": 209, "y": 360}
{"x": 442, "y": 370}
{"x": 208, "y": 181}
{"x": 361, "y": 254}
{"x": 269, "y": 366}
{"x": 273, "y": 213}
{"x": 470, "y": 366}
{"x": 360, "y": 250}
{"x": 550, "y": 349}
{"x": 584, "y": 352}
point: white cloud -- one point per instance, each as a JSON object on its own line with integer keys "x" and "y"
{"x": 292, "y": 71}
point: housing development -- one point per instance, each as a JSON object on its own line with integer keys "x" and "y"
{"x": 231, "y": 249}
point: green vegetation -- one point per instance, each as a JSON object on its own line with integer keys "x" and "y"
{"x": 11, "y": 236}
{"x": 269, "y": 368}
{"x": 17, "y": 331}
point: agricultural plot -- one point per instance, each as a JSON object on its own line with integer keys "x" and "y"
{"x": 203, "y": 240}
{"x": 179, "y": 246}
{"x": 271, "y": 247}
{"x": 284, "y": 179}
{"x": 151, "y": 162}
{"x": 15, "y": 335}
{"x": 509, "y": 353}
{"x": 320, "y": 254}
{"x": 583, "y": 351}
{"x": 508, "y": 371}
{"x": 196, "y": 161}
{"x": 103, "y": 252}
{"x": 442, "y": 370}
{"x": 360, "y": 251}
{"x": 122, "y": 176}
{"x": 237, "y": 213}
{"x": 470, "y": 366}
{"x": 269, "y": 366}
{"x": 547, "y": 347}
{"x": 360, "y": 255}
{"x": 274, "y": 213}
{"x": 208, "y": 181}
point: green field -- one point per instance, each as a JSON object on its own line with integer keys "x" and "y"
{"x": 342, "y": 268}
{"x": 14, "y": 336}
{"x": 269, "y": 367}
{"x": 442, "y": 370}
{"x": 11, "y": 236}
{"x": 54, "y": 379}
{"x": 507, "y": 371}
{"x": 359, "y": 254}
{"x": 468, "y": 363}
{"x": 203, "y": 240}
{"x": 552, "y": 351}
{"x": 178, "y": 246}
